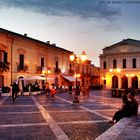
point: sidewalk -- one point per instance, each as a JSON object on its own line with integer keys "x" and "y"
{"x": 125, "y": 129}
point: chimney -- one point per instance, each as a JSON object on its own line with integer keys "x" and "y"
{"x": 25, "y": 34}
{"x": 48, "y": 42}
{"x": 54, "y": 44}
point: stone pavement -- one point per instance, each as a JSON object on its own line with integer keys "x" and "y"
{"x": 39, "y": 118}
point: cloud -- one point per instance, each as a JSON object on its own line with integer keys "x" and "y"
{"x": 82, "y": 8}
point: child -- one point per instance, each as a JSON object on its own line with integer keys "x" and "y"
{"x": 53, "y": 92}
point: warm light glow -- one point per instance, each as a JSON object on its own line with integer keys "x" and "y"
{"x": 63, "y": 70}
{"x": 110, "y": 70}
{"x": 132, "y": 75}
{"x": 27, "y": 63}
{"x": 72, "y": 57}
{"x": 103, "y": 78}
{"x": 45, "y": 71}
{"x": 118, "y": 70}
{"x": 49, "y": 71}
{"x": 127, "y": 75}
{"x": 83, "y": 56}
{"x": 77, "y": 75}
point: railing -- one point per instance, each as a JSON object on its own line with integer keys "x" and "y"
{"x": 57, "y": 71}
{"x": 22, "y": 69}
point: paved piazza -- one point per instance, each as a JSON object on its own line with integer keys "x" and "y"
{"x": 36, "y": 117}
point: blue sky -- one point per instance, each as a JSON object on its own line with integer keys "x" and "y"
{"x": 75, "y": 25}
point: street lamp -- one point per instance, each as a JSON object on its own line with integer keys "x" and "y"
{"x": 77, "y": 60}
{"x": 45, "y": 72}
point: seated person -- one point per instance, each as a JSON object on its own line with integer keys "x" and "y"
{"x": 125, "y": 110}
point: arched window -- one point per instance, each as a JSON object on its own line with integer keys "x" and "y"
{"x": 134, "y": 63}
{"x": 124, "y": 82}
{"x": 114, "y": 63}
{"x": 135, "y": 82}
{"x": 114, "y": 82}
{"x": 104, "y": 65}
{"x": 124, "y": 63}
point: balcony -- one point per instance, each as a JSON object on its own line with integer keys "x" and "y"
{"x": 4, "y": 66}
{"x": 71, "y": 71}
{"x": 22, "y": 69}
{"x": 57, "y": 70}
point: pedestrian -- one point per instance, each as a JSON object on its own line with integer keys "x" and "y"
{"x": 47, "y": 89}
{"x": 87, "y": 90}
{"x": 134, "y": 103}
{"x": 53, "y": 92}
{"x": 15, "y": 90}
{"x": 78, "y": 90}
{"x": 29, "y": 88}
{"x": 125, "y": 110}
{"x": 70, "y": 90}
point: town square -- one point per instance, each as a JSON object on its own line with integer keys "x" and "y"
{"x": 69, "y": 70}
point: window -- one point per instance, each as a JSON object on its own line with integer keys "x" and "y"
{"x": 42, "y": 62}
{"x": 3, "y": 56}
{"x": 114, "y": 64}
{"x": 21, "y": 61}
{"x": 56, "y": 65}
{"x": 70, "y": 68}
{"x": 134, "y": 63}
{"x": 124, "y": 63}
{"x": 104, "y": 65}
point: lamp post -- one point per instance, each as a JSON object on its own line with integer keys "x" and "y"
{"x": 77, "y": 60}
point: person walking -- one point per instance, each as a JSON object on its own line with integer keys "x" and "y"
{"x": 47, "y": 89}
{"x": 15, "y": 90}
{"x": 70, "y": 90}
{"x": 53, "y": 92}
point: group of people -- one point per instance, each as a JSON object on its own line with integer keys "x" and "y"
{"x": 129, "y": 107}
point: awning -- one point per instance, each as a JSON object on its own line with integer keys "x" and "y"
{"x": 71, "y": 78}
{"x": 34, "y": 78}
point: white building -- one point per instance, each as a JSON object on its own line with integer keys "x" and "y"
{"x": 120, "y": 65}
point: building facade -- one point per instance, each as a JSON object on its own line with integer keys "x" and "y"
{"x": 120, "y": 65}
{"x": 29, "y": 57}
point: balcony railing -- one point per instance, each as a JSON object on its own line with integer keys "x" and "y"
{"x": 71, "y": 71}
{"x": 57, "y": 71}
{"x": 22, "y": 69}
{"x": 4, "y": 66}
